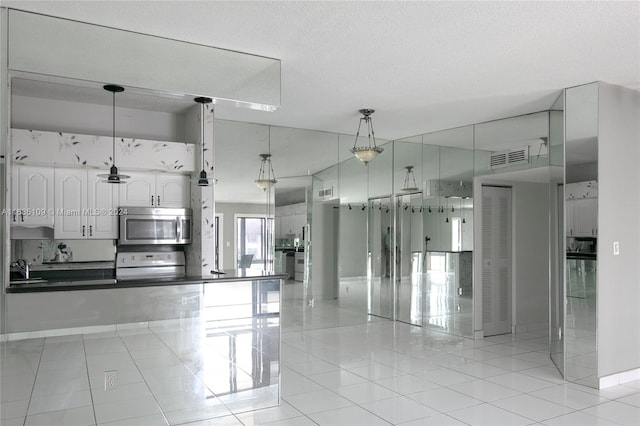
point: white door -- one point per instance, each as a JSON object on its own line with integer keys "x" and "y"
{"x": 70, "y": 203}
{"x": 496, "y": 260}
{"x": 172, "y": 191}
{"x": 138, "y": 190}
{"x": 102, "y": 219}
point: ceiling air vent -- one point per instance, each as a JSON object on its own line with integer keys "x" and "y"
{"x": 509, "y": 157}
{"x": 325, "y": 193}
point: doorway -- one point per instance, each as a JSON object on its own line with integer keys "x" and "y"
{"x": 252, "y": 242}
{"x": 496, "y": 259}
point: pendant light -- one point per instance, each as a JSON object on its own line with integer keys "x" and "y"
{"x": 409, "y": 181}
{"x": 113, "y": 176}
{"x": 203, "y": 180}
{"x": 370, "y": 152}
{"x": 266, "y": 177}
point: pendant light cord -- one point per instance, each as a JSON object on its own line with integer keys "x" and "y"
{"x": 202, "y": 133}
{"x": 113, "y": 131}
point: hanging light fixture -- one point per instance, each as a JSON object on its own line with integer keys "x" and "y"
{"x": 409, "y": 181}
{"x": 266, "y": 177}
{"x": 113, "y": 176}
{"x": 370, "y": 152}
{"x": 203, "y": 180}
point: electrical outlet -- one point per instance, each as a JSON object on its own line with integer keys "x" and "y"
{"x": 110, "y": 379}
{"x": 616, "y": 248}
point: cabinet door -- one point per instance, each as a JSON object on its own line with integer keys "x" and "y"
{"x": 34, "y": 196}
{"x": 138, "y": 191}
{"x": 585, "y": 216}
{"x": 569, "y": 218}
{"x": 172, "y": 191}
{"x": 102, "y": 200}
{"x": 70, "y": 202}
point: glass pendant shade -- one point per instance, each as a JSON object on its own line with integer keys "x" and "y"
{"x": 370, "y": 152}
{"x": 113, "y": 176}
{"x": 266, "y": 177}
{"x": 409, "y": 181}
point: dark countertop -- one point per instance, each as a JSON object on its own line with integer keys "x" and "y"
{"x": 101, "y": 284}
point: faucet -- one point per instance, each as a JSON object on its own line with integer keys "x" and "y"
{"x": 24, "y": 266}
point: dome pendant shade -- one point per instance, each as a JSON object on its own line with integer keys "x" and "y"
{"x": 370, "y": 152}
{"x": 113, "y": 176}
{"x": 409, "y": 181}
{"x": 266, "y": 177}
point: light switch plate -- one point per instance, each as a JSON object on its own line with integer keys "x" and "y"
{"x": 616, "y": 248}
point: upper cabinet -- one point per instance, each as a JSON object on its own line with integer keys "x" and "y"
{"x": 32, "y": 196}
{"x": 85, "y": 205}
{"x": 582, "y": 209}
{"x": 155, "y": 190}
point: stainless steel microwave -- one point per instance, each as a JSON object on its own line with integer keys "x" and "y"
{"x": 151, "y": 225}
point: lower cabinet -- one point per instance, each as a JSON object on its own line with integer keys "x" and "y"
{"x": 85, "y": 206}
{"x": 299, "y": 266}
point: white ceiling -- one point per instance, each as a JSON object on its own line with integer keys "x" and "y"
{"x": 423, "y": 66}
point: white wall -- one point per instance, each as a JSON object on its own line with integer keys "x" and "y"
{"x": 324, "y": 249}
{"x": 618, "y": 287}
{"x": 228, "y": 210}
{"x": 90, "y": 119}
{"x": 531, "y": 255}
{"x": 352, "y": 242}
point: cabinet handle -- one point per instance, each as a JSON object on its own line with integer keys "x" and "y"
{"x": 83, "y": 229}
{"x": 21, "y": 216}
{"x": 152, "y": 200}
{"x": 14, "y": 216}
{"x": 158, "y": 200}
{"x": 91, "y": 230}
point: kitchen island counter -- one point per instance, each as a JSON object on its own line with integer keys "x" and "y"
{"x": 102, "y": 284}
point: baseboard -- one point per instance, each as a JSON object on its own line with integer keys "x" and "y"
{"x": 619, "y": 378}
{"x": 530, "y": 327}
{"x": 10, "y": 337}
{"x": 478, "y": 335}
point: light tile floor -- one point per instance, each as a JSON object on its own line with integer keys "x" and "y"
{"x": 338, "y": 367}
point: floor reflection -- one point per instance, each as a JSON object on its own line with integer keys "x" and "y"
{"x": 580, "y": 334}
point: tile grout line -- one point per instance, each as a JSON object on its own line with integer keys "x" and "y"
{"x": 143, "y": 378}
{"x": 86, "y": 365}
{"x": 33, "y": 388}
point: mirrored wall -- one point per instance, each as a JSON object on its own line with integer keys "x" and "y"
{"x": 581, "y": 233}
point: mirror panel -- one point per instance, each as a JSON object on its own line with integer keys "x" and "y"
{"x": 352, "y": 235}
{"x": 556, "y": 235}
{"x": 581, "y": 209}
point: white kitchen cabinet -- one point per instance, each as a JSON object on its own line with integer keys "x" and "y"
{"x": 582, "y": 217}
{"x": 155, "y": 190}
{"x": 85, "y": 205}
{"x": 32, "y": 196}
